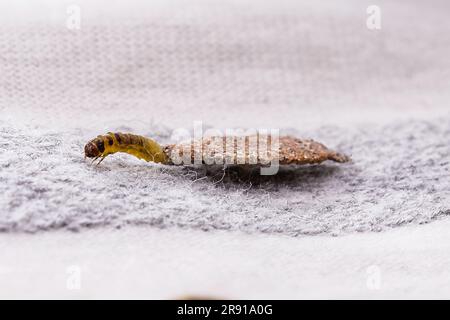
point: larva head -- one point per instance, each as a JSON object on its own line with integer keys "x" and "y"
{"x": 94, "y": 148}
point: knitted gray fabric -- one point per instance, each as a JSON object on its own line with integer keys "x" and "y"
{"x": 381, "y": 96}
{"x": 399, "y": 175}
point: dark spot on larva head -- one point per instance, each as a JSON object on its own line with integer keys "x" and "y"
{"x": 91, "y": 150}
{"x": 100, "y": 145}
{"x": 118, "y": 138}
{"x": 110, "y": 140}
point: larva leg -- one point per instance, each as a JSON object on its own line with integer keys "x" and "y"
{"x": 95, "y": 159}
{"x": 103, "y": 158}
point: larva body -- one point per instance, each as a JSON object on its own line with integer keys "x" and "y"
{"x": 138, "y": 146}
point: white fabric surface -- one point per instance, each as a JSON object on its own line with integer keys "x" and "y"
{"x": 410, "y": 262}
{"x": 151, "y": 67}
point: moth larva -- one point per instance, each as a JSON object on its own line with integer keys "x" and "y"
{"x": 139, "y": 146}
{"x": 290, "y": 150}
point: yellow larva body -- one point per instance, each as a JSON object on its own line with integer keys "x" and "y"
{"x": 138, "y": 146}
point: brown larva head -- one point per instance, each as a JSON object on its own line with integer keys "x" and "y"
{"x": 91, "y": 150}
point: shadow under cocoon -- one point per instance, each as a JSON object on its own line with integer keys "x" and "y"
{"x": 288, "y": 176}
